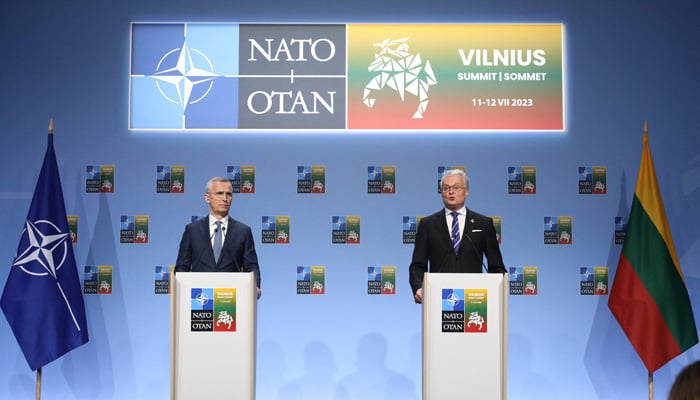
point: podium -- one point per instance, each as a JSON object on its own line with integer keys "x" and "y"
{"x": 464, "y": 336}
{"x": 213, "y": 318}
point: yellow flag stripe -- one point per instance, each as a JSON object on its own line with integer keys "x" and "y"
{"x": 649, "y": 195}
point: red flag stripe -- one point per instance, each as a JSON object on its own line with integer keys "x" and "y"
{"x": 636, "y": 310}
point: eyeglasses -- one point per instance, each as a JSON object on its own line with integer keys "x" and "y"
{"x": 221, "y": 194}
{"x": 456, "y": 188}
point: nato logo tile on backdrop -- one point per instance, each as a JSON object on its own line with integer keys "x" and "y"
{"x": 183, "y": 76}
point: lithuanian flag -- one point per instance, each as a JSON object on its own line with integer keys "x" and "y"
{"x": 649, "y": 298}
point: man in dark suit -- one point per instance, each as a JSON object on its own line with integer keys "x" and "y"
{"x": 233, "y": 238}
{"x": 454, "y": 239}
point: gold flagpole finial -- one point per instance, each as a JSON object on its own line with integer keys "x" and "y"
{"x": 51, "y": 126}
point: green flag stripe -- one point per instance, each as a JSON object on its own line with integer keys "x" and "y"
{"x": 648, "y": 255}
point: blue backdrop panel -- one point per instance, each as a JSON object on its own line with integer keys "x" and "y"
{"x": 71, "y": 63}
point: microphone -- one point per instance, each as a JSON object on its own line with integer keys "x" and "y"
{"x": 216, "y": 230}
{"x": 483, "y": 266}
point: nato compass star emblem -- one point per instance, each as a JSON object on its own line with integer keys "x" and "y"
{"x": 184, "y": 76}
{"x": 45, "y": 254}
{"x": 452, "y": 299}
{"x": 202, "y": 299}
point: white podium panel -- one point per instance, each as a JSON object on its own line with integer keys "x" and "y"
{"x": 464, "y": 336}
{"x": 213, "y": 317}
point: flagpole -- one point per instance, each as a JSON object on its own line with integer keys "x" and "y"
{"x": 38, "y": 370}
{"x": 645, "y": 134}
{"x": 646, "y": 128}
{"x": 504, "y": 357}
{"x": 38, "y": 383}
{"x": 172, "y": 334}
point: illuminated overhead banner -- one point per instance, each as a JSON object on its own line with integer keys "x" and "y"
{"x": 371, "y": 77}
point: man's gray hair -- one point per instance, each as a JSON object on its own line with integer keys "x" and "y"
{"x": 211, "y": 181}
{"x": 456, "y": 171}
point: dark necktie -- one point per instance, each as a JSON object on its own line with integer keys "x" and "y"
{"x": 217, "y": 241}
{"x": 455, "y": 231}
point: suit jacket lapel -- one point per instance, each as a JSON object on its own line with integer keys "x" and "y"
{"x": 206, "y": 237}
{"x": 228, "y": 239}
{"x": 467, "y": 228}
{"x": 468, "y": 225}
{"x": 443, "y": 224}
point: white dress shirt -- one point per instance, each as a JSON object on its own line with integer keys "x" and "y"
{"x": 212, "y": 228}
{"x": 462, "y": 217}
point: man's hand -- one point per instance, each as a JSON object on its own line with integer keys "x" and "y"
{"x": 418, "y": 296}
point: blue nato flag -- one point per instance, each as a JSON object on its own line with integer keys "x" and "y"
{"x": 42, "y": 299}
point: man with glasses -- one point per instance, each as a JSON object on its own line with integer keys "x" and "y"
{"x": 218, "y": 243}
{"x": 454, "y": 239}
